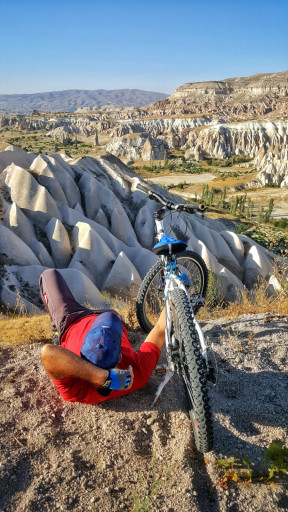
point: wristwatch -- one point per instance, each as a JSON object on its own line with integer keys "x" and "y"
{"x": 108, "y": 381}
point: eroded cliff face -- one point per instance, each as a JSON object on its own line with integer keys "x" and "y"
{"x": 243, "y": 116}
{"x": 233, "y": 98}
{"x": 247, "y": 116}
{"x": 265, "y": 142}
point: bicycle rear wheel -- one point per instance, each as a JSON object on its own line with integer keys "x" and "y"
{"x": 192, "y": 369}
{"x": 150, "y": 296}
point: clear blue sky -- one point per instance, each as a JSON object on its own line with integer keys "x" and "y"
{"x": 49, "y": 45}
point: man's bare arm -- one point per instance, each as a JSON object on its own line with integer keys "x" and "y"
{"x": 157, "y": 335}
{"x": 60, "y": 362}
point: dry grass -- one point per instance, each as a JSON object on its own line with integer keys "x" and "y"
{"x": 25, "y": 328}
{"x": 18, "y": 327}
{"x": 261, "y": 299}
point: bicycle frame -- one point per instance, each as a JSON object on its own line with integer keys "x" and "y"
{"x": 172, "y": 281}
{"x": 167, "y": 249}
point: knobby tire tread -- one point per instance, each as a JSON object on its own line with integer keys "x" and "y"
{"x": 195, "y": 368}
{"x": 142, "y": 293}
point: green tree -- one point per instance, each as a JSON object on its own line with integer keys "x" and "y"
{"x": 165, "y": 159}
{"x": 261, "y": 215}
{"x": 234, "y": 205}
{"x": 242, "y": 204}
{"x": 250, "y": 207}
{"x": 203, "y": 195}
{"x": 270, "y": 209}
{"x": 211, "y": 197}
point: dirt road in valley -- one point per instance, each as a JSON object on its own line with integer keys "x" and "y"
{"x": 180, "y": 178}
{"x": 260, "y": 196}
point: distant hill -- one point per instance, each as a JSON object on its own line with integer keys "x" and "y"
{"x": 70, "y": 100}
{"x": 243, "y": 97}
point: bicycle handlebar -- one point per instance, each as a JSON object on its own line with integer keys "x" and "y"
{"x": 186, "y": 207}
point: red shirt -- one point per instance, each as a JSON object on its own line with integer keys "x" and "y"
{"x": 143, "y": 362}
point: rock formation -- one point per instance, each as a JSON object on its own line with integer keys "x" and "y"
{"x": 246, "y": 116}
{"x": 265, "y": 142}
{"x": 136, "y": 146}
{"x": 95, "y": 228}
{"x": 244, "y": 97}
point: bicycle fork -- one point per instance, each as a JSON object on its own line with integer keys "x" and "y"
{"x": 171, "y": 282}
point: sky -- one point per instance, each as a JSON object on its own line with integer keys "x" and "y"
{"x": 54, "y": 45}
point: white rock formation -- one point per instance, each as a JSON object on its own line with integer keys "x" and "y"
{"x": 64, "y": 175}
{"x": 14, "y": 249}
{"x": 144, "y": 226}
{"x": 17, "y": 222}
{"x": 92, "y": 252}
{"x": 80, "y": 285}
{"x": 256, "y": 265}
{"x": 235, "y": 244}
{"x": 266, "y": 142}
{"x": 123, "y": 278}
{"x": 129, "y": 146}
{"x": 42, "y": 254}
{"x": 25, "y": 191}
{"x": 154, "y": 149}
{"x": 59, "y": 243}
{"x": 83, "y": 215}
{"x": 47, "y": 179}
{"x": 17, "y": 156}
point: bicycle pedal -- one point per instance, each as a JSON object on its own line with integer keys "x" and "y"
{"x": 160, "y": 370}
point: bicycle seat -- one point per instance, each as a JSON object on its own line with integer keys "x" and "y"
{"x": 168, "y": 246}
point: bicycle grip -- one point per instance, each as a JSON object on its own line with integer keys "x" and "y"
{"x": 190, "y": 207}
{"x": 137, "y": 185}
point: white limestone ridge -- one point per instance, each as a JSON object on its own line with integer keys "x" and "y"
{"x": 83, "y": 218}
{"x": 264, "y": 142}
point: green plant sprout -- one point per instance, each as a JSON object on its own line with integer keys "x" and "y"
{"x": 235, "y": 470}
{"x": 277, "y": 457}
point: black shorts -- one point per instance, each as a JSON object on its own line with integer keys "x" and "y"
{"x": 60, "y": 303}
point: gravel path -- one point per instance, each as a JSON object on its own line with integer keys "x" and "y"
{"x": 188, "y": 178}
{"x": 123, "y": 454}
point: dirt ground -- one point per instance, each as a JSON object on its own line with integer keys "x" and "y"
{"x": 188, "y": 178}
{"x": 126, "y": 455}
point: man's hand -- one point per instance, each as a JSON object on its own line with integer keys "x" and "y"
{"x": 121, "y": 379}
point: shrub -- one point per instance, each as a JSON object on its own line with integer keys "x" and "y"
{"x": 282, "y": 223}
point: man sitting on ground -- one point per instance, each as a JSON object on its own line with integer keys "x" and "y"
{"x": 94, "y": 360}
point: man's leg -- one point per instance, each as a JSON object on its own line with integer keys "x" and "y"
{"x": 59, "y": 301}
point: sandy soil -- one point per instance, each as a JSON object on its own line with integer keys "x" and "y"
{"x": 188, "y": 178}
{"x": 123, "y": 454}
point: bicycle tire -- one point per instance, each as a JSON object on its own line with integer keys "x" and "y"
{"x": 150, "y": 297}
{"x": 193, "y": 370}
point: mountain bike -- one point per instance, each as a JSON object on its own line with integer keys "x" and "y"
{"x": 178, "y": 282}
